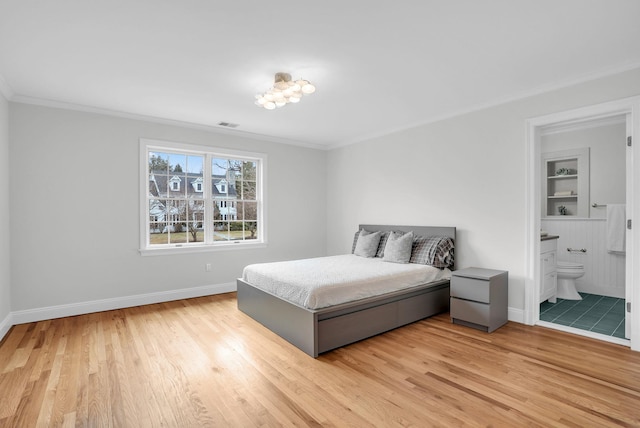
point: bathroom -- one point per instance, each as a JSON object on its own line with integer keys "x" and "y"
{"x": 584, "y": 182}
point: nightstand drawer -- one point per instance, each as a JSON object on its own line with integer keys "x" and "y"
{"x": 474, "y": 312}
{"x": 470, "y": 289}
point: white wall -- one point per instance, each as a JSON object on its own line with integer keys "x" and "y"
{"x": 74, "y": 210}
{"x": 468, "y": 171}
{"x": 5, "y": 265}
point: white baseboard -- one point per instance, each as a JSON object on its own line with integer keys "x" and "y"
{"x": 516, "y": 315}
{"x": 59, "y": 311}
{"x": 5, "y": 325}
{"x": 602, "y": 291}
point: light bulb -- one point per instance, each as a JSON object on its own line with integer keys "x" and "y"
{"x": 308, "y": 88}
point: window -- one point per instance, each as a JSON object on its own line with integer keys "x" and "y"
{"x": 199, "y": 198}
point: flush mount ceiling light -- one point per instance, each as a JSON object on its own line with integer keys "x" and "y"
{"x": 284, "y": 91}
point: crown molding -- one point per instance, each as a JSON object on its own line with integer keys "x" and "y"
{"x": 5, "y": 89}
{"x": 587, "y": 77}
{"x": 11, "y": 96}
{"x": 163, "y": 121}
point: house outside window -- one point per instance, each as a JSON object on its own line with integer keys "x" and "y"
{"x": 175, "y": 183}
{"x": 198, "y": 198}
{"x": 197, "y": 185}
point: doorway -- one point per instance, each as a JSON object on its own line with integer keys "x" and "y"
{"x": 627, "y": 112}
{"x": 583, "y": 180}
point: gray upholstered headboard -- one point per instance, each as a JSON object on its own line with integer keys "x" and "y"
{"x": 417, "y": 230}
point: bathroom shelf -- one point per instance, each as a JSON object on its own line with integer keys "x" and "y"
{"x": 560, "y": 177}
{"x": 575, "y": 205}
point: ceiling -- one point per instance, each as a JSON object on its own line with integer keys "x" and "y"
{"x": 378, "y": 67}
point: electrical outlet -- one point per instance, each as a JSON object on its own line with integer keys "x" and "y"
{"x": 207, "y": 267}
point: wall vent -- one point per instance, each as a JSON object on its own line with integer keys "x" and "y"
{"x": 228, "y": 124}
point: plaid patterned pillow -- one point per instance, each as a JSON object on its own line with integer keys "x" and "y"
{"x": 436, "y": 251}
{"x": 355, "y": 241}
{"x": 383, "y": 243}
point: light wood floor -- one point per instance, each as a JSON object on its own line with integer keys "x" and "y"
{"x": 201, "y": 362}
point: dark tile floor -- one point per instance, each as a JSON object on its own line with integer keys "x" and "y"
{"x": 599, "y": 314}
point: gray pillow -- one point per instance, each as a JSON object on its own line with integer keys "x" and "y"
{"x": 398, "y": 248}
{"x": 367, "y": 244}
{"x": 355, "y": 238}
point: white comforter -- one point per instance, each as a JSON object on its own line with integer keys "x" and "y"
{"x": 326, "y": 281}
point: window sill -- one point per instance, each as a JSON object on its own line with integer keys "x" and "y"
{"x": 236, "y": 245}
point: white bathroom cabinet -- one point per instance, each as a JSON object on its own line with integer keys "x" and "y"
{"x": 549, "y": 269}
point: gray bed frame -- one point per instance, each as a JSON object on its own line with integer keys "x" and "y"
{"x": 321, "y": 330}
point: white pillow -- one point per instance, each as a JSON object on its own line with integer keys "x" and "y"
{"x": 367, "y": 244}
{"x": 398, "y": 248}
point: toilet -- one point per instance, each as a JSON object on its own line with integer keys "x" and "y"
{"x": 568, "y": 272}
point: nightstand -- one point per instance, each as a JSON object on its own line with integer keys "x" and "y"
{"x": 479, "y": 298}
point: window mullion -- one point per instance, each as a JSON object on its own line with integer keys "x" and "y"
{"x": 147, "y": 195}
{"x": 208, "y": 200}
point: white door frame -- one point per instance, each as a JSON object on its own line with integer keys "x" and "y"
{"x": 631, "y": 108}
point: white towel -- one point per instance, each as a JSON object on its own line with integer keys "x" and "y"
{"x": 616, "y": 228}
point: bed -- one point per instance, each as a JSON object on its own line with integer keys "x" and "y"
{"x": 323, "y": 325}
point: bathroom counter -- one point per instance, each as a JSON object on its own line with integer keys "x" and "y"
{"x": 546, "y": 238}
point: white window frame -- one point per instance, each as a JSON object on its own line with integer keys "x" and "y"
{"x": 149, "y": 145}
